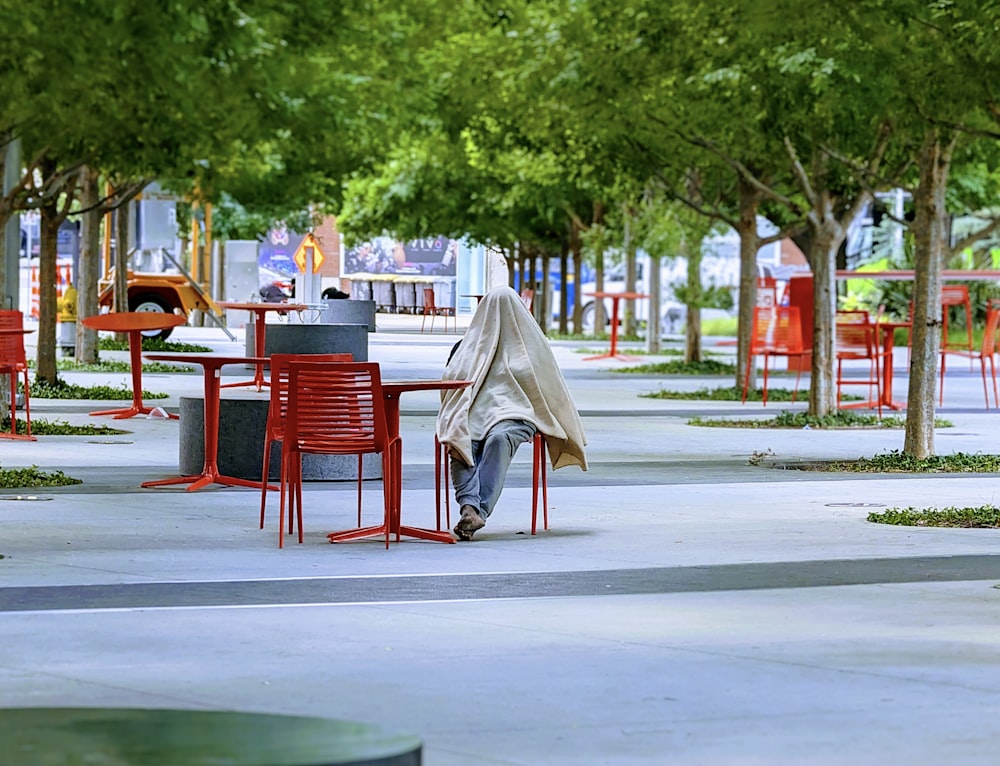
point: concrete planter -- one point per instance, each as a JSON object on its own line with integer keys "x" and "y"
{"x": 350, "y": 312}
{"x": 312, "y": 339}
{"x": 241, "y": 445}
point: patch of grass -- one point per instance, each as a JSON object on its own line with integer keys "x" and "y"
{"x": 722, "y": 326}
{"x": 800, "y": 420}
{"x": 12, "y": 478}
{"x": 735, "y": 394}
{"x": 108, "y": 343}
{"x": 116, "y": 365}
{"x": 42, "y": 427}
{"x": 724, "y": 394}
{"x": 982, "y": 517}
{"x": 899, "y": 462}
{"x": 632, "y": 351}
{"x": 679, "y": 367}
{"x": 63, "y": 390}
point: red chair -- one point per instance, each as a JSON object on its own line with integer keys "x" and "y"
{"x": 277, "y": 414}
{"x": 539, "y": 479}
{"x": 952, "y": 296}
{"x": 336, "y": 408}
{"x": 528, "y": 298}
{"x": 856, "y": 338}
{"x": 432, "y": 310}
{"x": 14, "y": 362}
{"x": 987, "y": 351}
{"x": 956, "y": 296}
{"x": 776, "y": 332}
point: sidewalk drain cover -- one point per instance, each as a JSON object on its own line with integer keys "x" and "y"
{"x": 855, "y": 505}
{"x": 109, "y": 441}
{"x": 24, "y": 497}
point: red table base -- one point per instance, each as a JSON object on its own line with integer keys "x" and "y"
{"x": 209, "y": 475}
{"x": 391, "y": 391}
{"x": 210, "y": 472}
{"x": 613, "y": 351}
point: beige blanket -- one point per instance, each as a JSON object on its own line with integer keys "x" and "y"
{"x": 515, "y": 377}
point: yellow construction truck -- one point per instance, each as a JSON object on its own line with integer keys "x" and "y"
{"x": 168, "y": 293}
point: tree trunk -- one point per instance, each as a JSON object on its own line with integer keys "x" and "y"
{"x": 48, "y": 228}
{"x": 628, "y": 310}
{"x": 749, "y": 201}
{"x": 121, "y": 264}
{"x": 692, "y": 334}
{"x": 90, "y": 270}
{"x": 564, "y": 307}
{"x": 826, "y": 241}
{"x": 653, "y": 343}
{"x": 930, "y": 236}
{"x": 577, "y": 298}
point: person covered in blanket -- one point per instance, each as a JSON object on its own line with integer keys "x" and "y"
{"x": 517, "y": 391}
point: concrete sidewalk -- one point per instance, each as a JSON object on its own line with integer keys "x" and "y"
{"x": 685, "y": 607}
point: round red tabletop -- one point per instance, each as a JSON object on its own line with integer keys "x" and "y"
{"x": 132, "y": 321}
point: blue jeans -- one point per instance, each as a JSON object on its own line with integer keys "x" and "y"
{"x": 480, "y": 484}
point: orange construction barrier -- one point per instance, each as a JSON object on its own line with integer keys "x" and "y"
{"x": 64, "y": 278}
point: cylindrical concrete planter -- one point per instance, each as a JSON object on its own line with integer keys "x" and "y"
{"x": 312, "y": 339}
{"x": 350, "y": 312}
{"x": 241, "y": 445}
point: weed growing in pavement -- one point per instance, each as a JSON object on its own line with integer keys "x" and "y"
{"x": 757, "y": 458}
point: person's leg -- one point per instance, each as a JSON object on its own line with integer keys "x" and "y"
{"x": 496, "y": 455}
{"x": 465, "y": 478}
{"x": 466, "y": 481}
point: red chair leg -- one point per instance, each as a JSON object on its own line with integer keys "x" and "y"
{"x": 27, "y": 406}
{"x": 539, "y": 477}
{"x": 765, "y": 381}
{"x": 941, "y": 385}
{"x": 360, "y": 472}
{"x": 993, "y": 374}
{"x": 543, "y": 470}
{"x": 437, "y": 482}
{"x": 13, "y": 402}
{"x": 442, "y": 483}
{"x": 283, "y": 487}
{"x": 264, "y": 476}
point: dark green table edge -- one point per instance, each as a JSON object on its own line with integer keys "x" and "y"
{"x": 38, "y": 736}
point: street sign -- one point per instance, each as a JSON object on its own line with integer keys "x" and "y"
{"x": 308, "y": 250}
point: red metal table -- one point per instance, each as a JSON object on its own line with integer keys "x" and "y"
{"x": 888, "y": 330}
{"x": 615, "y": 300}
{"x": 212, "y": 365}
{"x": 259, "y": 311}
{"x": 134, "y": 323}
{"x": 391, "y": 391}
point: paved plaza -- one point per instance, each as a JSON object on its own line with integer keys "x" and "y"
{"x": 685, "y": 607}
